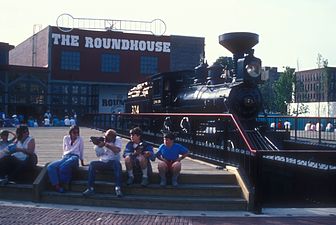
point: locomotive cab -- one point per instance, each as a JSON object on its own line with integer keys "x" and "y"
{"x": 166, "y": 86}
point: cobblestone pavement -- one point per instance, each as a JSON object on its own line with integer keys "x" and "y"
{"x": 11, "y": 214}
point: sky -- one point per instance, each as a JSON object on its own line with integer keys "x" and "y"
{"x": 291, "y": 32}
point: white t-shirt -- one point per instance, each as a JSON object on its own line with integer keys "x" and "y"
{"x": 77, "y": 148}
{"x": 105, "y": 154}
{"x": 20, "y": 155}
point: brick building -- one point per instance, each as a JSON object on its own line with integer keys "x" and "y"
{"x": 86, "y": 71}
{"x": 316, "y": 89}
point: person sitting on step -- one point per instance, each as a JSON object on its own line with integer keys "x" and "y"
{"x": 20, "y": 156}
{"x": 6, "y": 143}
{"x": 170, "y": 155}
{"x": 108, "y": 150}
{"x": 138, "y": 154}
{"x": 60, "y": 171}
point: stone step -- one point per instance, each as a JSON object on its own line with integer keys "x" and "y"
{"x": 192, "y": 190}
{"x": 147, "y": 202}
{"x": 224, "y": 178}
{"x": 22, "y": 192}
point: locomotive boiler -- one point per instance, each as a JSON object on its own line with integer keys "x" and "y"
{"x": 208, "y": 89}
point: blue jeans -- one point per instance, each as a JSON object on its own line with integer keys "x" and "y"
{"x": 60, "y": 171}
{"x": 99, "y": 165}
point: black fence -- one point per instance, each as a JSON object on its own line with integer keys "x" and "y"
{"x": 321, "y": 130}
{"x": 280, "y": 177}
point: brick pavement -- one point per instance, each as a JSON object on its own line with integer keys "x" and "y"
{"x": 10, "y": 214}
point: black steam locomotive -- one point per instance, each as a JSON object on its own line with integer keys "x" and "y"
{"x": 207, "y": 89}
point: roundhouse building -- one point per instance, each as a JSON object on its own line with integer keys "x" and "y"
{"x": 86, "y": 71}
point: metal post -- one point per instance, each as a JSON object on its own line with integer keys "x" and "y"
{"x": 258, "y": 185}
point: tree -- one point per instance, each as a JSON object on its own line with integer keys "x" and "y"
{"x": 283, "y": 89}
{"x": 268, "y": 94}
{"x": 324, "y": 81}
{"x": 319, "y": 60}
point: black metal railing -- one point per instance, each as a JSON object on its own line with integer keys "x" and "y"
{"x": 217, "y": 138}
{"x": 320, "y": 130}
{"x": 220, "y": 139}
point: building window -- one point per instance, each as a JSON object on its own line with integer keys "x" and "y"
{"x": 74, "y": 100}
{"x": 75, "y": 89}
{"x": 3, "y": 58}
{"x": 83, "y": 90}
{"x": 148, "y": 65}
{"x": 110, "y": 63}
{"x": 70, "y": 60}
{"x": 83, "y": 100}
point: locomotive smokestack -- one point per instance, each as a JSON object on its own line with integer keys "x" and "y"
{"x": 238, "y": 43}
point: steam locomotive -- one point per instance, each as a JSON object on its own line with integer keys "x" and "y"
{"x": 210, "y": 89}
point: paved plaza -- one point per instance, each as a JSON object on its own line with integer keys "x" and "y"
{"x": 49, "y": 147}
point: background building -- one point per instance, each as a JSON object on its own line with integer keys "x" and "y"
{"x": 86, "y": 71}
{"x": 315, "y": 92}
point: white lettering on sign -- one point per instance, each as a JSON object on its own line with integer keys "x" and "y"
{"x": 55, "y": 38}
{"x": 134, "y": 45}
{"x": 106, "y": 43}
{"x": 74, "y": 40}
{"x": 88, "y": 42}
{"x": 112, "y": 102}
{"x": 111, "y": 43}
{"x": 65, "y": 39}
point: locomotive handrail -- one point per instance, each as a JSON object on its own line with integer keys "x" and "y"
{"x": 243, "y": 133}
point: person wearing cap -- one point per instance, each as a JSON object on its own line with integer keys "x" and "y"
{"x": 4, "y": 142}
{"x": 138, "y": 154}
{"x": 170, "y": 155}
{"x": 108, "y": 152}
{"x": 22, "y": 155}
{"x": 60, "y": 171}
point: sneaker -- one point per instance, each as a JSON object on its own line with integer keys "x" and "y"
{"x": 3, "y": 181}
{"x": 130, "y": 180}
{"x": 144, "y": 181}
{"x": 60, "y": 190}
{"x": 174, "y": 181}
{"x": 89, "y": 192}
{"x": 11, "y": 182}
{"x": 118, "y": 192}
{"x": 163, "y": 182}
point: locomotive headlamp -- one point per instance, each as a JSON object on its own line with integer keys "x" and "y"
{"x": 249, "y": 69}
{"x": 253, "y": 69}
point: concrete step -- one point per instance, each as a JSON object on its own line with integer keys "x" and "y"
{"x": 22, "y": 192}
{"x": 147, "y": 201}
{"x": 224, "y": 178}
{"x": 192, "y": 190}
